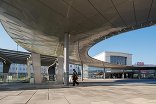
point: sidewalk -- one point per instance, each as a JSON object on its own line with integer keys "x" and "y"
{"x": 83, "y": 94}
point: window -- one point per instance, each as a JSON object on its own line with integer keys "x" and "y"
{"x": 118, "y": 60}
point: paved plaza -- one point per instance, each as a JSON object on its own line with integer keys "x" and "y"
{"x": 141, "y": 93}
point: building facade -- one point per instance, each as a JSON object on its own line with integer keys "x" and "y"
{"x": 138, "y": 70}
{"x": 113, "y": 58}
{"x": 20, "y": 71}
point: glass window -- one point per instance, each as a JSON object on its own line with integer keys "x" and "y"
{"x": 118, "y": 60}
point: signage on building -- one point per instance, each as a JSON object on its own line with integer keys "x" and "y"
{"x": 140, "y": 63}
{"x": 147, "y": 71}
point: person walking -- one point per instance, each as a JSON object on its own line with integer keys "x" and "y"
{"x": 75, "y": 77}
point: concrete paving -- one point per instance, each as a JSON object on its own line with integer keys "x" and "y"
{"x": 86, "y": 93}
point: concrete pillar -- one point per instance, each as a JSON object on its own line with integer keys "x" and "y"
{"x": 66, "y": 59}
{"x": 6, "y": 67}
{"x": 16, "y": 72}
{"x": 104, "y": 73}
{"x": 36, "y": 62}
{"x": 155, "y": 73}
{"x": 123, "y": 74}
{"x": 59, "y": 70}
{"x": 82, "y": 72}
{"x": 28, "y": 67}
{"x": 5, "y": 77}
{"x": 139, "y": 74}
{"x": 85, "y": 71}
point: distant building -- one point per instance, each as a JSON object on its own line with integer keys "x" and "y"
{"x": 115, "y": 58}
{"x": 139, "y": 70}
{"x": 22, "y": 69}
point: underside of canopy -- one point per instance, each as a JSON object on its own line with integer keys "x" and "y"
{"x": 39, "y": 25}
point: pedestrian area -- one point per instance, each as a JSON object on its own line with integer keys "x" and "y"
{"x": 115, "y": 94}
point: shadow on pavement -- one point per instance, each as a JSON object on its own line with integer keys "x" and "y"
{"x": 86, "y": 83}
{"x": 120, "y": 82}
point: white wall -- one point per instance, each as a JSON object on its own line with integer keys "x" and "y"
{"x": 105, "y": 56}
{"x": 100, "y": 56}
{"x": 129, "y": 56}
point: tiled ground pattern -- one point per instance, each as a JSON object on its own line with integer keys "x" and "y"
{"x": 82, "y": 95}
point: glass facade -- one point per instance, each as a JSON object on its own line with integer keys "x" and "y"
{"x": 18, "y": 68}
{"x": 1, "y": 67}
{"x": 95, "y": 72}
{"x": 18, "y": 72}
{"x": 77, "y": 67}
{"x": 118, "y": 60}
{"x": 144, "y": 74}
{"x": 22, "y": 68}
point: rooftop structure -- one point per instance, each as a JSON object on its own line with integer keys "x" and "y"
{"x": 39, "y": 26}
{"x": 48, "y": 27}
{"x": 115, "y": 58}
{"x": 21, "y": 57}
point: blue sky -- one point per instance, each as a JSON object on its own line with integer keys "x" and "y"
{"x": 6, "y": 42}
{"x": 141, "y": 43}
